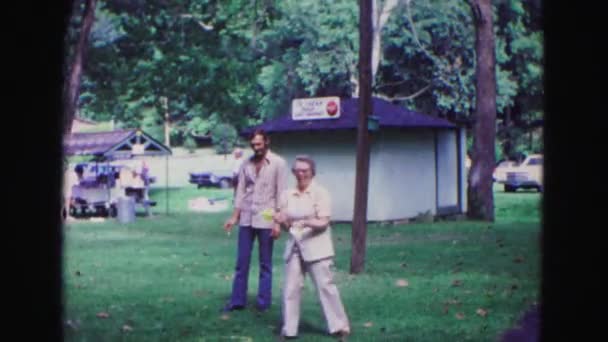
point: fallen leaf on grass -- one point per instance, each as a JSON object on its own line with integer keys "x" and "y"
{"x": 452, "y": 302}
{"x": 185, "y": 332}
{"x": 224, "y": 317}
{"x": 368, "y": 324}
{"x": 481, "y": 312}
{"x": 127, "y": 328}
{"x": 459, "y": 315}
{"x": 102, "y": 315}
{"x": 457, "y": 282}
{"x": 402, "y": 283}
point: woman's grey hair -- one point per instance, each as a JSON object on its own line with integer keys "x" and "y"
{"x": 305, "y": 159}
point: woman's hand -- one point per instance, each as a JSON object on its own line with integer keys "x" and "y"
{"x": 279, "y": 218}
{"x": 299, "y": 224}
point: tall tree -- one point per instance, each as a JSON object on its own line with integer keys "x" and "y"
{"x": 72, "y": 87}
{"x": 480, "y": 195}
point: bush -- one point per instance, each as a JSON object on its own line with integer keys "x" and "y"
{"x": 426, "y": 216}
{"x": 224, "y": 138}
{"x": 190, "y": 144}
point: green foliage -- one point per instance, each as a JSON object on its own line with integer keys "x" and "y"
{"x": 153, "y": 124}
{"x": 224, "y": 137}
{"x": 242, "y": 62}
{"x": 199, "y": 126}
{"x": 190, "y": 144}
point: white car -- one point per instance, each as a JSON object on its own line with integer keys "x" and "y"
{"x": 528, "y": 175}
{"x": 500, "y": 171}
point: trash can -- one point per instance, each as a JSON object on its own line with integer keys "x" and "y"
{"x": 125, "y": 210}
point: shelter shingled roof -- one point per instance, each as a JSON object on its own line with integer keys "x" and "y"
{"x": 112, "y": 144}
{"x": 389, "y": 115}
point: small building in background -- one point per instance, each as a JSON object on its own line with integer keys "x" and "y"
{"x": 417, "y": 162}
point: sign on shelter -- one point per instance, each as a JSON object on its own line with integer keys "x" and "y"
{"x": 316, "y": 108}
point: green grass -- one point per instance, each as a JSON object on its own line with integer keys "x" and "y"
{"x": 166, "y": 277}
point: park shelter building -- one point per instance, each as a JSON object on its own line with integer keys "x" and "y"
{"x": 108, "y": 146}
{"x": 117, "y": 144}
{"x": 417, "y": 162}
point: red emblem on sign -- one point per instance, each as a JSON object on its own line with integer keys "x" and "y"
{"x": 332, "y": 108}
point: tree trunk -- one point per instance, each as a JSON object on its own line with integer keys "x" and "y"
{"x": 508, "y": 144}
{"x": 379, "y": 21}
{"x": 72, "y": 88}
{"x": 480, "y": 194}
{"x": 359, "y": 231}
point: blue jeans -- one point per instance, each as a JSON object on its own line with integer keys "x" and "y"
{"x": 247, "y": 235}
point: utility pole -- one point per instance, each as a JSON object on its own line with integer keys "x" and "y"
{"x": 165, "y": 103}
{"x": 359, "y": 230}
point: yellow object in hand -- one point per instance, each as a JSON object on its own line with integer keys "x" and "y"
{"x": 267, "y": 214}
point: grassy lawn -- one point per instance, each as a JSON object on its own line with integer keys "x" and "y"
{"x": 165, "y": 278}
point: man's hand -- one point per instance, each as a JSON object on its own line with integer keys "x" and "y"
{"x": 280, "y": 218}
{"x": 229, "y": 223}
{"x": 276, "y": 231}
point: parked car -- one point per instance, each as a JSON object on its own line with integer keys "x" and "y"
{"x": 527, "y": 175}
{"x": 501, "y": 169}
{"x": 219, "y": 178}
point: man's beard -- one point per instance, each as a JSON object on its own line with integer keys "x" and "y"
{"x": 257, "y": 156}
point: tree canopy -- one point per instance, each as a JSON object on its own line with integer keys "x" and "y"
{"x": 239, "y": 62}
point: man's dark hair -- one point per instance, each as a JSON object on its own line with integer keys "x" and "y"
{"x": 79, "y": 169}
{"x": 261, "y": 132}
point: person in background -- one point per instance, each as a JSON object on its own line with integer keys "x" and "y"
{"x": 71, "y": 181}
{"x": 305, "y": 212}
{"x": 238, "y": 155}
{"x": 261, "y": 179}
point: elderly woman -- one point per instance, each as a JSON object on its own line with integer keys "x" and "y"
{"x": 305, "y": 213}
